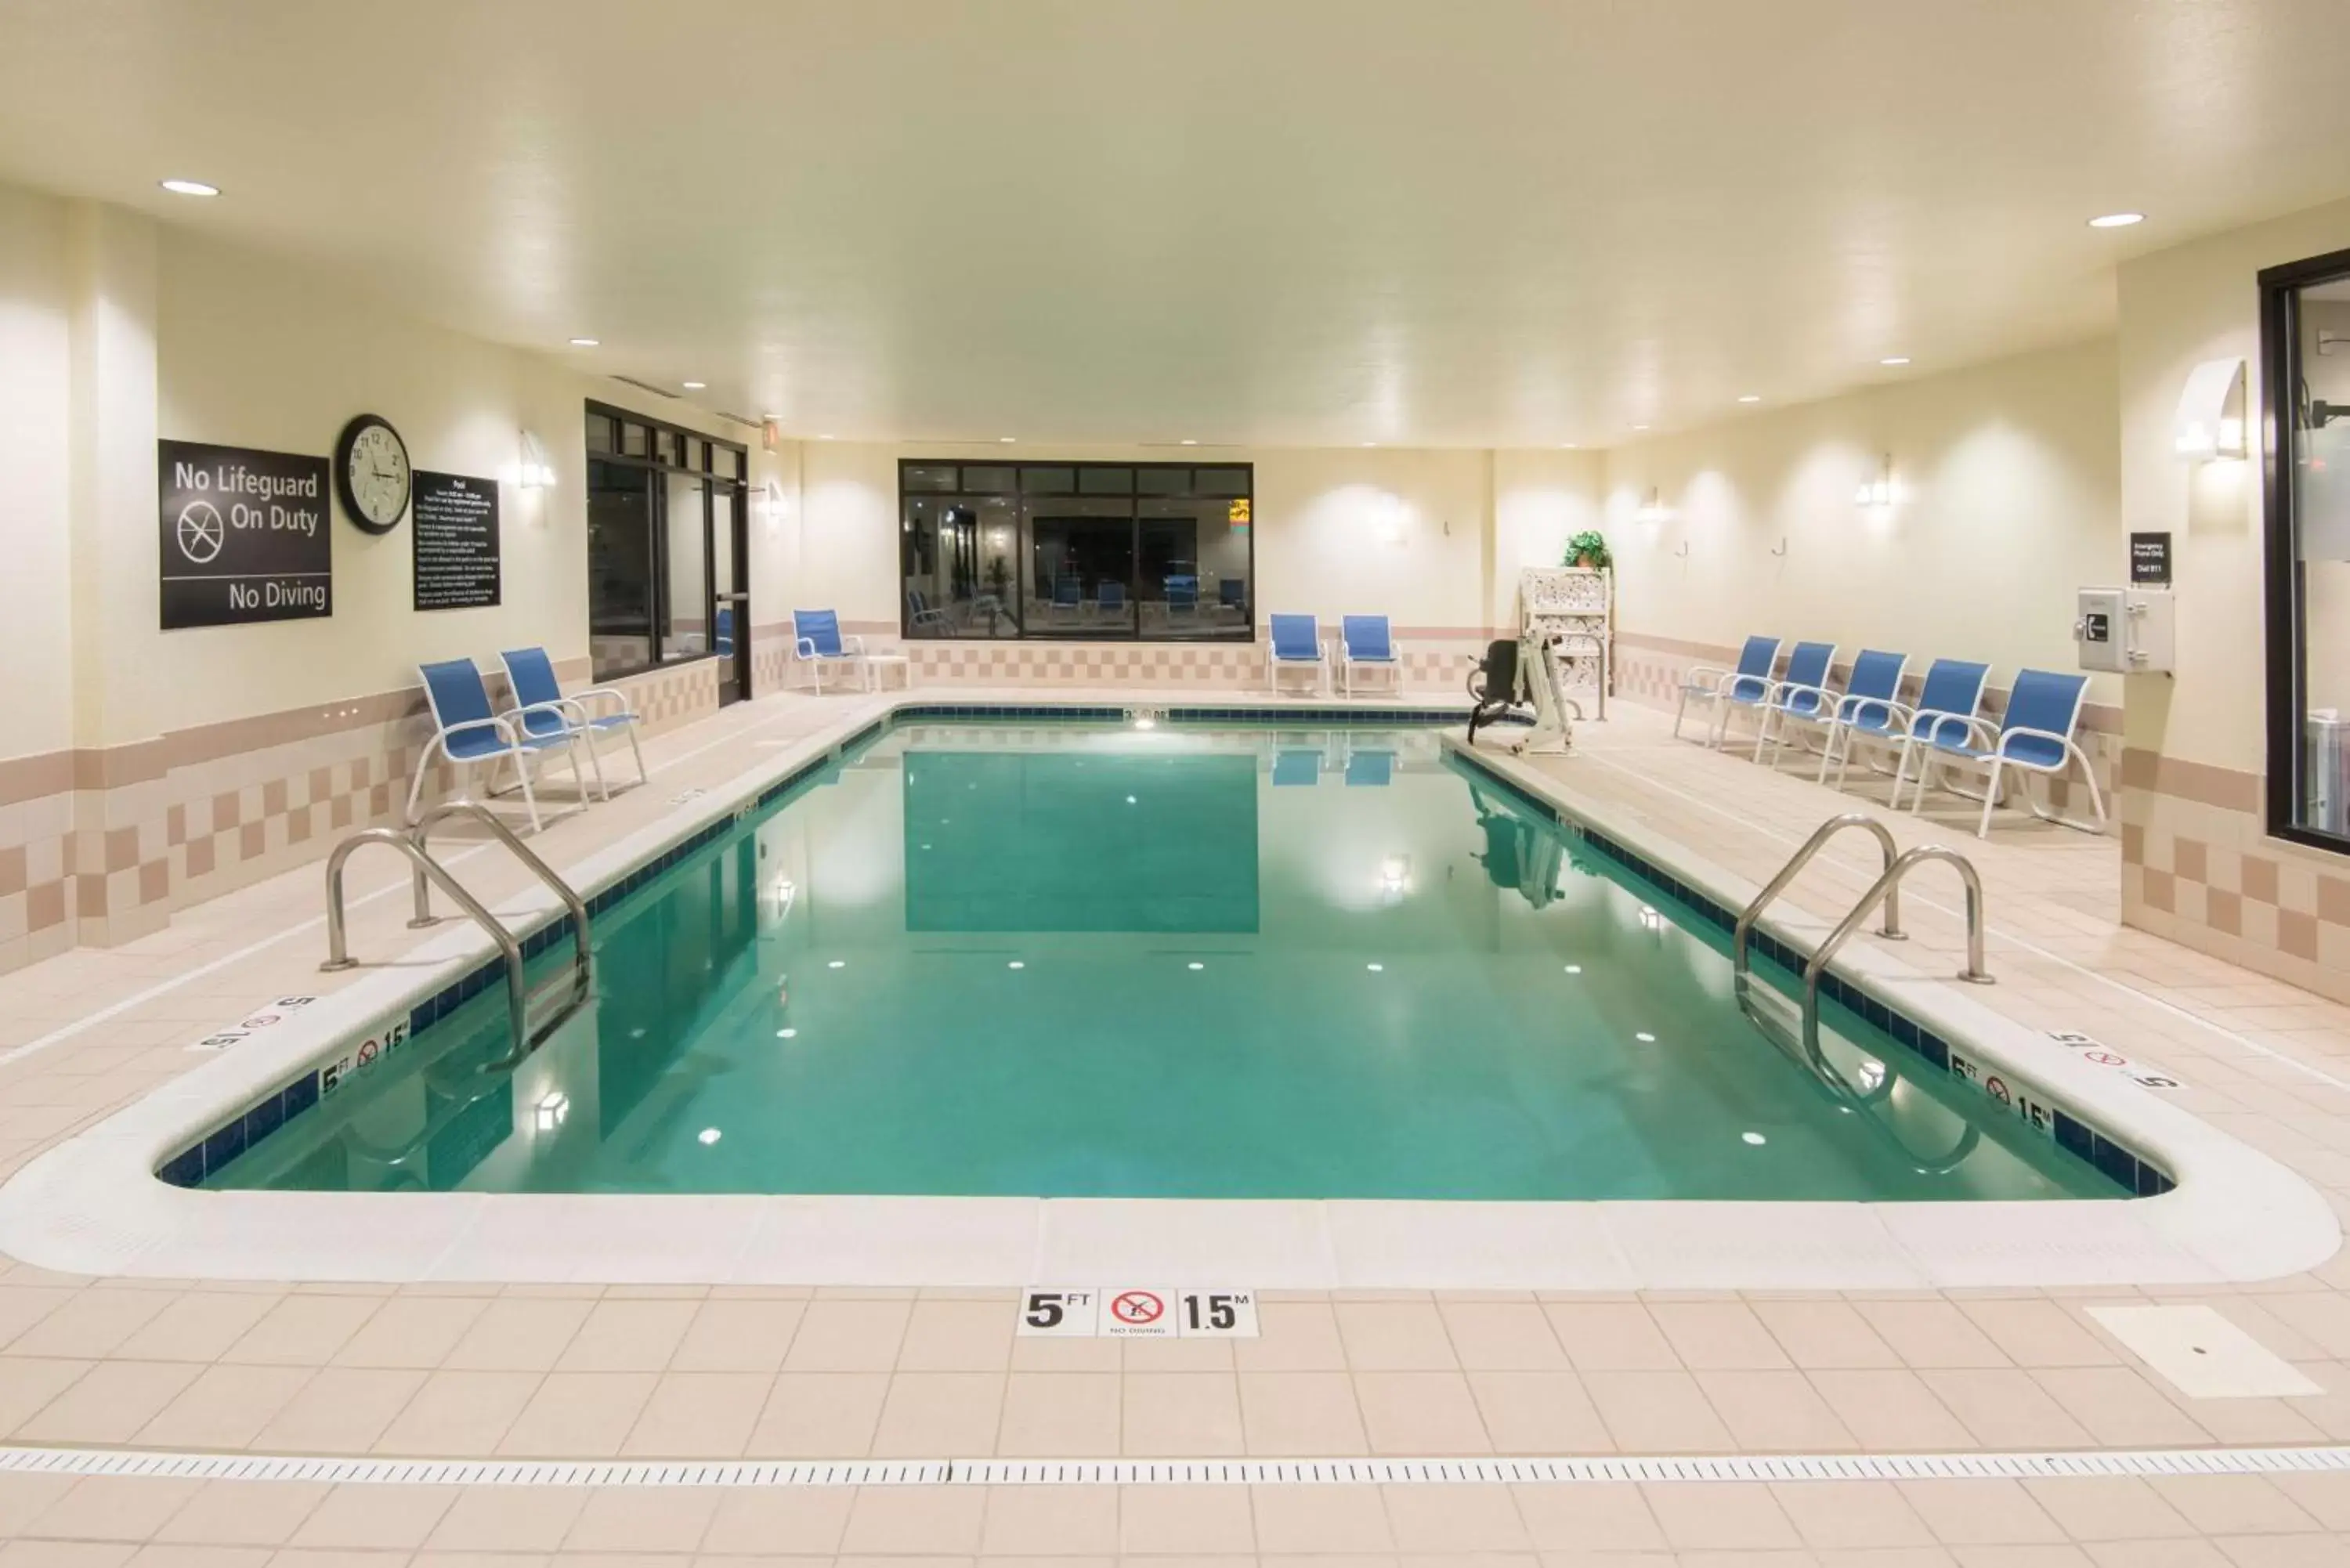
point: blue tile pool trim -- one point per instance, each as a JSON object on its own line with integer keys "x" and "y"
{"x": 2132, "y": 1171}
{"x": 233, "y": 1138}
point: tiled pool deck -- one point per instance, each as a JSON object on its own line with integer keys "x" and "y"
{"x": 585, "y": 1371}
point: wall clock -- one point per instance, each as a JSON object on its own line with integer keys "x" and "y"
{"x": 371, "y": 473}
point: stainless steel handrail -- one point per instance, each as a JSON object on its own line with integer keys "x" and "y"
{"x": 337, "y": 949}
{"x": 415, "y": 843}
{"x": 1883, "y": 890}
{"x": 1891, "y": 931}
{"x": 422, "y": 833}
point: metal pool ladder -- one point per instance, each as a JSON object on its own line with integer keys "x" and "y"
{"x": 415, "y": 843}
{"x": 1885, "y": 890}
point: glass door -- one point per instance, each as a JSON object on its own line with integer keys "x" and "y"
{"x": 730, "y": 590}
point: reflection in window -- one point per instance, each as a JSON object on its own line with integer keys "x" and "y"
{"x": 650, "y": 512}
{"x": 1156, "y": 551}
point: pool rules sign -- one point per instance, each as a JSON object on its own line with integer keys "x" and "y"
{"x": 244, "y": 536}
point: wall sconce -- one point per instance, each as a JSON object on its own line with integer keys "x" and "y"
{"x": 1879, "y": 492}
{"x": 1653, "y": 509}
{"x": 2211, "y": 420}
{"x": 533, "y": 472}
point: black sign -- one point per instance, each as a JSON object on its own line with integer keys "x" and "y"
{"x": 456, "y": 534}
{"x": 2097, "y": 626}
{"x": 2150, "y": 560}
{"x": 244, "y": 536}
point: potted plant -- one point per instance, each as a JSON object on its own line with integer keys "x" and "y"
{"x": 1589, "y": 548}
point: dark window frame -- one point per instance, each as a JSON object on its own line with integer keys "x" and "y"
{"x": 657, "y": 536}
{"x": 1135, "y": 496}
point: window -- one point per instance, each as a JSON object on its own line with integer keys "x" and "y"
{"x": 1158, "y": 552}
{"x": 653, "y": 595}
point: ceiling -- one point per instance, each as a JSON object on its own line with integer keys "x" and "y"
{"x": 1270, "y": 222}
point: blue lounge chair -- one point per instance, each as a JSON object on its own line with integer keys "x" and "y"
{"x": 1370, "y": 770}
{"x": 1296, "y": 645}
{"x": 2034, "y": 735}
{"x": 469, "y": 734}
{"x": 1803, "y": 691}
{"x": 817, "y": 642}
{"x": 1871, "y": 705}
{"x": 1363, "y": 640}
{"x": 1182, "y": 595}
{"x": 1947, "y": 704}
{"x": 1750, "y": 682}
{"x": 542, "y": 709}
{"x": 1109, "y": 597}
{"x": 1231, "y": 593}
{"x": 922, "y": 620}
{"x": 724, "y": 640}
{"x": 1069, "y": 598}
{"x": 1294, "y": 767}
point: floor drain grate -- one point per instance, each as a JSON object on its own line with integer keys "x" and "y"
{"x": 1663, "y": 1471}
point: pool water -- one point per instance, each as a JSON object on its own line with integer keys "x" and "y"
{"x": 1089, "y": 960}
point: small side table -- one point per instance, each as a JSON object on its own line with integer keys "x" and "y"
{"x": 877, "y": 664}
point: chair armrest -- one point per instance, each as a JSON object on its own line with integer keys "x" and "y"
{"x": 1933, "y": 718}
{"x": 803, "y": 648}
{"x": 505, "y": 731}
{"x": 1849, "y": 707}
{"x": 614, "y": 692}
{"x": 1700, "y": 676}
{"x": 1781, "y": 691}
{"x": 563, "y": 708}
{"x": 853, "y": 646}
{"x": 2065, "y": 742}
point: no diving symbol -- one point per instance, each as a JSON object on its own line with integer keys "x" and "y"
{"x": 1136, "y": 1308}
{"x": 200, "y": 532}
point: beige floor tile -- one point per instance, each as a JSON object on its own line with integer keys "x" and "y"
{"x": 1199, "y": 1520}
{"x": 700, "y": 1415}
{"x": 508, "y": 1519}
{"x": 198, "y": 1325}
{"x": 96, "y": 1322}
{"x": 1184, "y": 1414}
{"x": 1589, "y": 1517}
{"x": 1320, "y": 1518}
{"x": 22, "y": 1307}
{"x": 519, "y": 1334}
{"x": 1394, "y": 1336}
{"x": 938, "y": 1414}
{"x": 1052, "y": 1415}
{"x": 628, "y": 1336}
{"x": 2120, "y": 1407}
{"x": 1457, "y": 1520}
{"x": 1177, "y": 1355}
{"x": 1414, "y": 1413}
{"x": 114, "y": 1507}
{"x": 2032, "y": 1333}
{"x": 643, "y": 1519}
{"x": 2324, "y": 1498}
{"x": 849, "y": 1337}
{"x": 2006, "y": 1410}
{"x": 1539, "y": 1413}
{"x": 225, "y": 1407}
{"x": 738, "y": 1336}
{"x": 1980, "y": 1512}
{"x": 1303, "y": 1413}
{"x": 1722, "y": 1336}
{"x": 809, "y": 1520}
{"x": 244, "y": 1513}
{"x": 341, "y": 1410}
{"x": 915, "y": 1521}
{"x": 1774, "y": 1410}
{"x": 1824, "y": 1334}
{"x": 382, "y": 1518}
{"x": 2233, "y": 1505}
{"x": 30, "y": 1382}
{"x": 417, "y": 1332}
{"x": 303, "y": 1329}
{"x": 1890, "y": 1410}
{"x": 109, "y": 1403}
{"x": 2108, "y": 1507}
{"x": 1721, "y": 1516}
{"x": 1502, "y": 1336}
{"x": 1039, "y": 1355}
{"x": 958, "y": 1336}
{"x": 1611, "y": 1337}
{"x": 463, "y": 1414}
{"x": 821, "y": 1415}
{"x": 1929, "y": 1334}
{"x": 1841, "y": 1515}
{"x": 1293, "y": 1337}
{"x": 1049, "y": 1520}
{"x": 1655, "y": 1412}
{"x": 578, "y": 1415}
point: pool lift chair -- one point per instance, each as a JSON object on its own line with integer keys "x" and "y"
{"x": 1523, "y": 673}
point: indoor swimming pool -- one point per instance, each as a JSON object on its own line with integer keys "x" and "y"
{"x": 1191, "y": 960}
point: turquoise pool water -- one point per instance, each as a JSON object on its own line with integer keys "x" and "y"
{"x": 1091, "y": 961}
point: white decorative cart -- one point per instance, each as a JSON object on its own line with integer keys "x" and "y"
{"x": 1574, "y": 605}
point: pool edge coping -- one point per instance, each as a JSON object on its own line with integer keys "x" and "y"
{"x": 92, "y": 1204}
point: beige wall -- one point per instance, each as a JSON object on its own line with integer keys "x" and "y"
{"x": 2009, "y": 499}
{"x": 35, "y": 359}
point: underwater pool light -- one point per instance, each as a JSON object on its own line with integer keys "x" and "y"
{"x": 549, "y": 1112}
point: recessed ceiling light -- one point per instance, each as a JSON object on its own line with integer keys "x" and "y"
{"x": 1567, "y": 446}
{"x": 786, "y": 1034}
{"x": 1757, "y": 1139}
{"x": 188, "y": 188}
{"x": 1188, "y": 441}
{"x": 693, "y": 386}
{"x": 1640, "y": 427}
{"x": 1750, "y": 398}
{"x": 2116, "y": 219}
{"x": 584, "y": 342}
{"x": 1015, "y": 963}
{"x": 1198, "y": 966}
{"x": 1895, "y": 360}
{"x": 708, "y": 1135}
{"x": 838, "y": 963}
{"x": 1575, "y": 969}
{"x": 1375, "y": 968}
{"x": 1370, "y": 443}
{"x": 1007, "y": 440}
{"x": 827, "y": 438}
{"x": 1644, "y": 1038}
